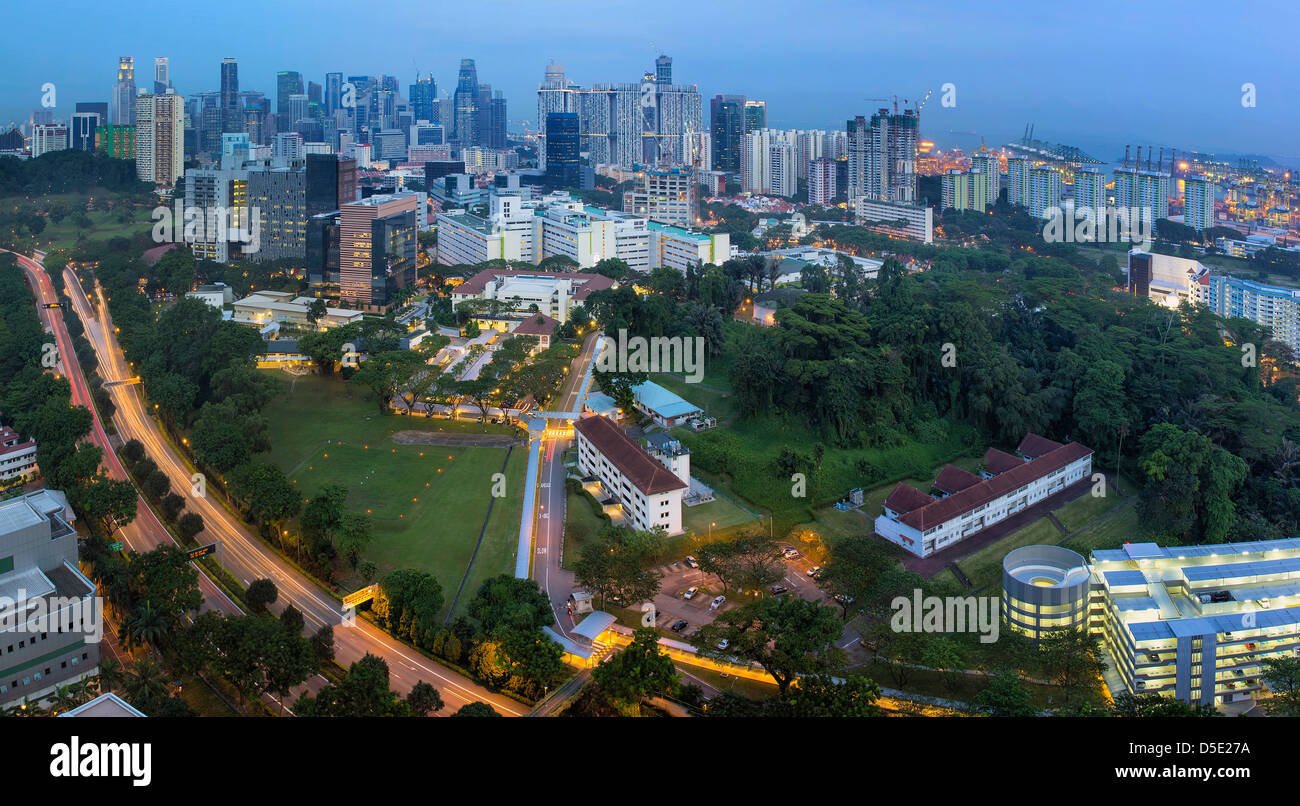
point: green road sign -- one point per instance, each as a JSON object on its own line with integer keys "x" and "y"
{"x": 116, "y": 546}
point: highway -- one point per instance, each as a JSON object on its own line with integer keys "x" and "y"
{"x": 244, "y": 554}
{"x": 146, "y": 532}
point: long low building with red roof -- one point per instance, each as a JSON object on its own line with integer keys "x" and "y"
{"x": 647, "y": 489}
{"x": 964, "y": 504}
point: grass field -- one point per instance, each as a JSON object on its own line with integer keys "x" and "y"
{"x": 984, "y": 567}
{"x": 1115, "y": 531}
{"x": 581, "y": 523}
{"x": 723, "y": 512}
{"x": 1084, "y": 510}
{"x": 105, "y": 224}
{"x": 427, "y": 503}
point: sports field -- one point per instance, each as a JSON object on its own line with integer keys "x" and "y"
{"x": 427, "y": 503}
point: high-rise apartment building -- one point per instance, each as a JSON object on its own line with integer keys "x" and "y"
{"x": 1089, "y": 188}
{"x": 160, "y": 138}
{"x": 821, "y": 181}
{"x": 986, "y": 162}
{"x": 1018, "y": 181}
{"x": 882, "y": 156}
{"x": 554, "y": 95}
{"x": 117, "y": 142}
{"x": 769, "y": 163}
{"x": 1044, "y": 191}
{"x": 1198, "y": 203}
{"x": 965, "y": 190}
{"x": 1143, "y": 189}
{"x": 123, "y": 99}
{"x": 666, "y": 195}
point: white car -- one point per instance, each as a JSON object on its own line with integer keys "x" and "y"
{"x": 724, "y": 643}
{"x": 692, "y": 562}
{"x": 717, "y": 602}
{"x": 689, "y": 593}
{"x": 790, "y": 553}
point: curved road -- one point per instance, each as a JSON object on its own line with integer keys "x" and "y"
{"x": 243, "y": 553}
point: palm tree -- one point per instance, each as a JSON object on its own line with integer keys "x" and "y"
{"x": 146, "y": 682}
{"x": 148, "y": 625}
{"x": 62, "y": 699}
{"x": 110, "y": 676}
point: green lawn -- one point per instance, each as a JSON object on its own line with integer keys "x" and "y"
{"x": 723, "y": 512}
{"x": 1112, "y": 533}
{"x": 1084, "y": 510}
{"x": 715, "y": 402}
{"x": 427, "y": 503}
{"x": 105, "y": 224}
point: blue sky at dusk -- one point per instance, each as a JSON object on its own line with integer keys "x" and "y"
{"x": 1096, "y": 75}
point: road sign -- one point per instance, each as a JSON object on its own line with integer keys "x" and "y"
{"x": 358, "y": 597}
{"x": 202, "y": 551}
{"x": 115, "y": 546}
{"x": 54, "y": 305}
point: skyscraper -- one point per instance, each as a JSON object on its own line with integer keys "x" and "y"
{"x": 1143, "y": 189}
{"x": 986, "y": 162}
{"x": 1198, "y": 203}
{"x": 87, "y": 118}
{"x": 562, "y": 169}
{"x": 882, "y": 156}
{"x": 160, "y": 138}
{"x": 161, "y": 75}
{"x": 424, "y": 99}
{"x": 123, "y": 99}
{"x": 1018, "y": 181}
{"x": 1089, "y": 188}
{"x": 554, "y": 94}
{"x": 333, "y": 93}
{"x": 495, "y": 135}
{"x": 727, "y": 127}
{"x": 232, "y": 115}
{"x": 755, "y": 116}
{"x": 287, "y": 83}
{"x": 664, "y": 70}
{"x": 821, "y": 181}
{"x": 466, "y": 99}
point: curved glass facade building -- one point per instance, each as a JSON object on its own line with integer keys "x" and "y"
{"x": 1044, "y": 590}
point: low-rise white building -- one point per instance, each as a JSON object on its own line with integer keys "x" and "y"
{"x": 554, "y": 293}
{"x": 648, "y": 491}
{"x": 910, "y": 221}
{"x": 278, "y": 307}
{"x": 1168, "y": 280}
{"x": 218, "y": 295}
{"x": 965, "y": 504}
{"x": 17, "y": 456}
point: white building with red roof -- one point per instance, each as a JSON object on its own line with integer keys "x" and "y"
{"x": 17, "y": 456}
{"x": 648, "y": 490}
{"x": 963, "y": 504}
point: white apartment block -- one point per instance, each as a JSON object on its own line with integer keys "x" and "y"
{"x": 648, "y": 491}
{"x": 160, "y": 138}
{"x": 1143, "y": 189}
{"x": 666, "y": 195}
{"x": 986, "y": 162}
{"x": 1089, "y": 188}
{"x": 1044, "y": 192}
{"x": 964, "y": 504}
{"x": 904, "y": 220}
{"x": 1018, "y": 181}
{"x": 1198, "y": 203}
{"x": 965, "y": 190}
{"x": 17, "y": 455}
{"x": 821, "y": 181}
{"x": 47, "y": 137}
{"x": 679, "y": 248}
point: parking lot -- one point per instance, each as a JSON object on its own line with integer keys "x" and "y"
{"x": 678, "y": 577}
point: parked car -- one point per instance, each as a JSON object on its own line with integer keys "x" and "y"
{"x": 717, "y": 602}
{"x": 815, "y": 571}
{"x": 724, "y": 643}
{"x": 690, "y": 592}
{"x": 777, "y": 590}
{"x": 679, "y": 625}
{"x": 692, "y": 562}
{"x": 790, "y": 552}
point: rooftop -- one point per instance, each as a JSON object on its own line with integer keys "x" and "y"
{"x": 642, "y": 471}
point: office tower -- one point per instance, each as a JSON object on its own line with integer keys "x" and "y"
{"x": 554, "y": 94}
{"x": 1089, "y": 189}
{"x": 161, "y": 75}
{"x": 986, "y": 162}
{"x": 1137, "y": 188}
{"x": 1044, "y": 192}
{"x": 85, "y": 121}
{"x": 123, "y": 100}
{"x": 211, "y": 190}
{"x": 882, "y": 156}
{"x": 466, "y": 100}
{"x": 117, "y": 142}
{"x": 41, "y": 580}
{"x": 562, "y": 150}
{"x": 254, "y": 110}
{"x": 1018, "y": 181}
{"x": 1198, "y": 203}
{"x": 664, "y": 70}
{"x": 160, "y": 138}
{"x": 314, "y": 95}
{"x": 287, "y": 83}
{"x": 297, "y": 110}
{"x": 424, "y": 99}
{"x": 727, "y": 131}
{"x": 333, "y": 93}
{"x": 821, "y": 182}
{"x": 232, "y": 116}
{"x": 376, "y": 249}
{"x": 47, "y": 137}
{"x": 495, "y": 135}
{"x": 755, "y": 116}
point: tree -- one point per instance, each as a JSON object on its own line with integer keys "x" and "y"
{"x": 291, "y": 619}
{"x": 1007, "y": 696}
{"x": 787, "y": 637}
{"x": 189, "y": 525}
{"x": 1154, "y": 705}
{"x": 505, "y": 600}
{"x": 386, "y": 373}
{"x": 364, "y": 691}
{"x": 1283, "y": 678}
{"x": 424, "y": 699}
{"x": 750, "y": 562}
{"x": 1071, "y": 659}
{"x": 260, "y": 594}
{"x": 316, "y": 310}
{"x": 640, "y": 671}
{"x": 615, "y": 565}
{"x": 146, "y": 684}
{"x": 165, "y": 577}
{"x": 267, "y": 493}
{"x": 322, "y": 643}
{"x": 476, "y": 709}
{"x": 407, "y": 605}
{"x": 823, "y": 696}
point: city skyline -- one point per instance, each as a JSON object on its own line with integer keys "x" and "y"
{"x": 1007, "y": 77}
